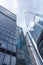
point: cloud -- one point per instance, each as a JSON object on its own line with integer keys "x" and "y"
{"x": 11, "y": 5}
{"x": 19, "y": 7}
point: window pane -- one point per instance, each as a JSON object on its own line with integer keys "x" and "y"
{"x": 1, "y": 57}
{"x": 13, "y": 62}
{"x": 9, "y": 46}
{"x": 14, "y": 48}
{"x": 7, "y": 59}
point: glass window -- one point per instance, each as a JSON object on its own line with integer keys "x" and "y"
{"x": 9, "y": 46}
{"x": 41, "y": 22}
{"x": 34, "y": 35}
{"x": 2, "y": 36}
{"x": 13, "y": 61}
{"x": 10, "y": 40}
{"x": 1, "y": 57}
{"x": 7, "y": 59}
{"x": 14, "y": 48}
{"x": 38, "y": 29}
{"x": 3, "y": 45}
{"x": 14, "y": 41}
{"x": 6, "y": 38}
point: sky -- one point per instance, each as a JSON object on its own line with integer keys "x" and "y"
{"x": 20, "y": 7}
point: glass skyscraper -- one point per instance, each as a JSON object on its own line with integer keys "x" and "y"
{"x": 34, "y": 36}
{"x": 37, "y": 35}
{"x": 20, "y": 42}
{"x": 7, "y": 37}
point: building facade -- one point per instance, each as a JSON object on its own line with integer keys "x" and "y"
{"x": 7, "y": 37}
{"x": 27, "y": 52}
{"x": 35, "y": 42}
{"x": 37, "y": 35}
{"x": 23, "y": 54}
{"x": 20, "y": 52}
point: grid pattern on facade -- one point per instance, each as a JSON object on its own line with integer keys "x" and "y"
{"x": 7, "y": 41}
{"x": 20, "y": 52}
{"x": 37, "y": 35}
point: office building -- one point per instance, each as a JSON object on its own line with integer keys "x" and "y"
{"x": 20, "y": 52}
{"x": 27, "y": 52}
{"x": 7, "y": 37}
{"x": 37, "y": 35}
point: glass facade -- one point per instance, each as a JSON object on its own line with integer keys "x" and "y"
{"x": 20, "y": 37}
{"x": 41, "y": 23}
{"x": 34, "y": 23}
{"x": 37, "y": 35}
{"x": 20, "y": 52}
{"x": 36, "y": 32}
{"x": 27, "y": 55}
{"x": 7, "y": 38}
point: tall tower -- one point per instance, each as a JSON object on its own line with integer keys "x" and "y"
{"x": 7, "y": 37}
{"x": 34, "y": 37}
{"x": 20, "y": 42}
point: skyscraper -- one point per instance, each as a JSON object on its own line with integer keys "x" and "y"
{"x": 7, "y": 37}
{"x": 37, "y": 35}
{"x": 20, "y": 52}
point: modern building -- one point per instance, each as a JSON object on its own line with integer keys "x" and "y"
{"x": 23, "y": 55}
{"x": 35, "y": 43}
{"x": 27, "y": 53}
{"x": 34, "y": 37}
{"x": 20, "y": 52}
{"x": 37, "y": 35}
{"x": 7, "y": 37}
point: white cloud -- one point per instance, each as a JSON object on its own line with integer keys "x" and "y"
{"x": 20, "y": 6}
{"x": 11, "y": 5}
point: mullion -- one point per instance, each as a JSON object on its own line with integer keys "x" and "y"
{"x": 36, "y": 33}
{"x": 8, "y": 42}
{"x": 7, "y": 29}
{"x": 5, "y": 53}
{"x": 2, "y": 15}
{"x": 6, "y": 23}
{"x": 11, "y": 55}
{"x": 40, "y": 25}
{"x": 1, "y": 21}
{"x": 8, "y": 36}
{"x": 11, "y": 52}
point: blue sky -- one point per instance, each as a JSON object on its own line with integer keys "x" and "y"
{"x": 19, "y": 7}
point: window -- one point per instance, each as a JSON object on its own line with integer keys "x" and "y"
{"x": 41, "y": 22}
{"x": 38, "y": 29}
{"x": 10, "y": 40}
{"x": 1, "y": 57}
{"x": 7, "y": 59}
{"x": 14, "y": 48}
{"x": 14, "y": 41}
{"x": 3, "y": 44}
{"x": 9, "y": 46}
{"x": 13, "y": 61}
